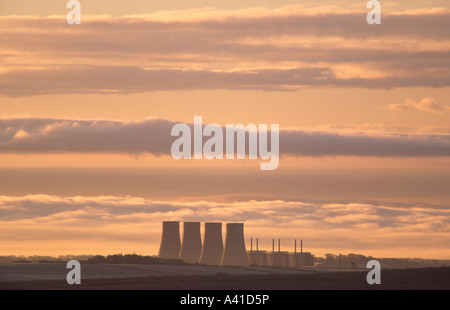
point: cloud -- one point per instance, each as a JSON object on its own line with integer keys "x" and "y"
{"x": 126, "y": 79}
{"x": 113, "y": 219}
{"x": 380, "y": 128}
{"x": 279, "y": 50}
{"x": 52, "y": 135}
{"x": 46, "y": 135}
{"x": 426, "y": 104}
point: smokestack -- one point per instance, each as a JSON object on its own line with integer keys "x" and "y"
{"x": 279, "y": 249}
{"x": 170, "y": 240}
{"x": 212, "y": 245}
{"x": 273, "y": 244}
{"x": 234, "y": 253}
{"x": 192, "y": 243}
{"x": 295, "y": 246}
{"x": 301, "y": 246}
{"x": 256, "y": 244}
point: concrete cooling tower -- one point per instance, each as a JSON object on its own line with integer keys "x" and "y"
{"x": 170, "y": 240}
{"x": 192, "y": 243}
{"x": 212, "y": 244}
{"x": 234, "y": 253}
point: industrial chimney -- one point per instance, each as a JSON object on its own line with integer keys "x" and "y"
{"x": 234, "y": 253}
{"x": 170, "y": 240}
{"x": 192, "y": 243}
{"x": 212, "y": 244}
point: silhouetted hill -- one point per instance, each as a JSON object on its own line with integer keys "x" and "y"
{"x": 133, "y": 259}
{"x": 350, "y": 260}
{"x": 360, "y": 261}
{"x": 94, "y": 259}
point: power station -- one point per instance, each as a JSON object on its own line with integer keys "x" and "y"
{"x": 213, "y": 251}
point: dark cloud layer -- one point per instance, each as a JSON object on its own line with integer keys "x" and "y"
{"x": 125, "y": 79}
{"x": 41, "y": 135}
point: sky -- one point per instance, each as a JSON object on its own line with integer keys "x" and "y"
{"x": 86, "y": 113}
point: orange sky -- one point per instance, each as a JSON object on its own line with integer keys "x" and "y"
{"x": 316, "y": 69}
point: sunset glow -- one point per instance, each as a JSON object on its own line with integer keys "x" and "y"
{"x": 363, "y": 110}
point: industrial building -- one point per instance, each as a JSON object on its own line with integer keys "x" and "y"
{"x": 212, "y": 250}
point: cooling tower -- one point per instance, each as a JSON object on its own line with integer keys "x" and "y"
{"x": 234, "y": 253}
{"x": 192, "y": 243}
{"x": 212, "y": 244}
{"x": 170, "y": 240}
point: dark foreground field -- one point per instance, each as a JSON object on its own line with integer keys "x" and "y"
{"x": 404, "y": 279}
